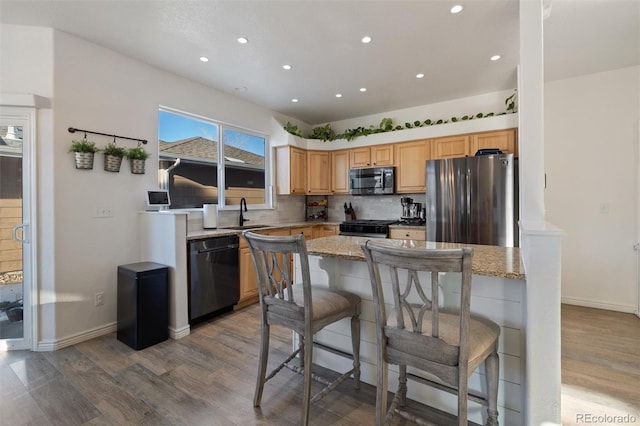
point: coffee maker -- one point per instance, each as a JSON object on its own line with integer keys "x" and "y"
{"x": 412, "y": 213}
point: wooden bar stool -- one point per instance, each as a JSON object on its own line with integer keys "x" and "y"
{"x": 302, "y": 307}
{"x": 448, "y": 345}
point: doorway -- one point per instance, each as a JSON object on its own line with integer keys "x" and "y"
{"x": 16, "y": 226}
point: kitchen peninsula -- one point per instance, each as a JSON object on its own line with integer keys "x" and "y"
{"x": 498, "y": 293}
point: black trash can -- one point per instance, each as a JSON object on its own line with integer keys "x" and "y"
{"x": 143, "y": 304}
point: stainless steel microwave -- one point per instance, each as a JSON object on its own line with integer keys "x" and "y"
{"x": 372, "y": 181}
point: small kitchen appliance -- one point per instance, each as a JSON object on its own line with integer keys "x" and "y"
{"x": 412, "y": 213}
{"x": 209, "y": 216}
{"x": 372, "y": 181}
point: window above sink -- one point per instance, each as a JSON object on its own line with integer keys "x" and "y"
{"x": 218, "y": 163}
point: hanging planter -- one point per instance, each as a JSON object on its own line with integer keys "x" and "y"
{"x": 84, "y": 152}
{"x": 112, "y": 163}
{"x": 137, "y": 157}
{"x": 137, "y": 166}
{"x": 113, "y": 157}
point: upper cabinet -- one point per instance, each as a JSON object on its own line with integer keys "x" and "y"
{"x": 319, "y": 172}
{"x": 340, "y": 171}
{"x": 450, "y": 147}
{"x": 291, "y": 170}
{"x": 371, "y": 156}
{"x": 505, "y": 140}
{"x": 411, "y": 165}
{"x": 300, "y": 172}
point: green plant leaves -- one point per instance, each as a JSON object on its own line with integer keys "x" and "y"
{"x": 137, "y": 153}
{"x": 83, "y": 146}
{"x": 325, "y": 133}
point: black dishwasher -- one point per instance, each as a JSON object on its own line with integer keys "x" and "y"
{"x": 214, "y": 276}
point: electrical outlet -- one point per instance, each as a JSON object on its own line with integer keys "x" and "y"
{"x": 103, "y": 211}
{"x": 604, "y": 208}
{"x": 99, "y": 299}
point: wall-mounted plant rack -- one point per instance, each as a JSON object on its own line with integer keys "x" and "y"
{"x": 73, "y": 130}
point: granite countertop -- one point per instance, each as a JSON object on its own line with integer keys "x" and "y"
{"x": 224, "y": 231}
{"x": 492, "y": 261}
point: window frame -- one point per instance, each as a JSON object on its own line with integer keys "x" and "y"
{"x": 221, "y": 165}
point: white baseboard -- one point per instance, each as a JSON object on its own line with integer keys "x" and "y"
{"x": 179, "y": 333}
{"x": 599, "y": 305}
{"x": 54, "y": 345}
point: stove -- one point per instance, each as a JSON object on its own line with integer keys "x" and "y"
{"x": 366, "y": 228}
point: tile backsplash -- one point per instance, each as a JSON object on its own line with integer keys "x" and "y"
{"x": 291, "y": 208}
{"x": 370, "y": 206}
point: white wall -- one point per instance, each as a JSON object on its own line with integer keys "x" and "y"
{"x": 101, "y": 90}
{"x": 591, "y": 154}
{"x": 94, "y": 88}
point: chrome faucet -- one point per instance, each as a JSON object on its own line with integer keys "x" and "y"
{"x": 242, "y": 219}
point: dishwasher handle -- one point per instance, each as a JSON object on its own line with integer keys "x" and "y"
{"x": 213, "y": 249}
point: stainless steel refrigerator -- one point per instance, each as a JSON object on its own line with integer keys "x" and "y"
{"x": 473, "y": 200}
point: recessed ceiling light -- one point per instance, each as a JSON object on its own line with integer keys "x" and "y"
{"x": 294, "y": 100}
{"x": 495, "y": 57}
{"x": 363, "y": 89}
{"x": 204, "y": 59}
{"x": 366, "y": 39}
{"x": 243, "y": 40}
{"x": 456, "y": 9}
{"x": 338, "y": 95}
{"x": 286, "y": 67}
{"x": 420, "y": 75}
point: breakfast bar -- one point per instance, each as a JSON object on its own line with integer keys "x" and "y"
{"x": 498, "y": 293}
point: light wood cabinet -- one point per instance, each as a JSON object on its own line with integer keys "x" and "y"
{"x": 450, "y": 147}
{"x": 248, "y": 278}
{"x": 318, "y": 172}
{"x": 340, "y": 171}
{"x": 411, "y": 165}
{"x": 291, "y": 170}
{"x": 320, "y": 231}
{"x": 307, "y": 231}
{"x": 300, "y": 172}
{"x": 407, "y": 234}
{"x": 505, "y": 140}
{"x": 372, "y": 156}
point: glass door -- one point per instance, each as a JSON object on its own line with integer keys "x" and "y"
{"x": 15, "y": 133}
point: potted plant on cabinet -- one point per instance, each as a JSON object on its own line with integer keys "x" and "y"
{"x": 137, "y": 157}
{"x": 84, "y": 151}
{"x": 113, "y": 157}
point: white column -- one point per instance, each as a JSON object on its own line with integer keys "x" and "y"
{"x": 530, "y": 112}
{"x": 540, "y": 243}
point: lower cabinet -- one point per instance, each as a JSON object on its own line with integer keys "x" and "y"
{"x": 249, "y": 280}
{"x": 320, "y": 231}
{"x": 407, "y": 234}
{"x": 307, "y": 231}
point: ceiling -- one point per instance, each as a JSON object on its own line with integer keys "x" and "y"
{"x": 321, "y": 40}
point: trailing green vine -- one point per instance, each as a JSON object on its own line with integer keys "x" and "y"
{"x": 325, "y": 133}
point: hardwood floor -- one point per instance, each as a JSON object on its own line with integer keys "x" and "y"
{"x": 600, "y": 366}
{"x": 208, "y": 378}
